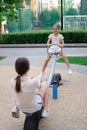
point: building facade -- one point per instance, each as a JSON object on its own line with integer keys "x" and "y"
{"x": 83, "y": 4}
{"x": 49, "y": 4}
{"x": 38, "y": 5}
{"x": 35, "y": 6}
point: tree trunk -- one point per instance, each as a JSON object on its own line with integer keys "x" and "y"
{"x": 0, "y": 32}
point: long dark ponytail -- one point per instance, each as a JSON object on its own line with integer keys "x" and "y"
{"x": 18, "y": 84}
{"x": 21, "y": 67}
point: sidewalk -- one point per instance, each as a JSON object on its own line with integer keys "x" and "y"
{"x": 10, "y": 61}
{"x": 68, "y": 112}
{"x": 40, "y": 45}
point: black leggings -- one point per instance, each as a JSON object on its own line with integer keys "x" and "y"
{"x": 32, "y": 121}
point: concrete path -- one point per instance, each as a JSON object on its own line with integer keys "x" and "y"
{"x": 68, "y": 112}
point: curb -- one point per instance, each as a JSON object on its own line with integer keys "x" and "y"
{"x": 78, "y": 45}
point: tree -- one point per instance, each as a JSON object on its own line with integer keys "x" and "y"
{"x": 71, "y": 11}
{"x": 83, "y": 4}
{"x": 66, "y": 5}
{"x": 49, "y": 18}
{"x": 83, "y": 12}
{"x": 23, "y": 23}
{"x": 9, "y": 10}
{"x": 83, "y": 8}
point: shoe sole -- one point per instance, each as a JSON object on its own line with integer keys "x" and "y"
{"x": 15, "y": 115}
{"x": 44, "y": 116}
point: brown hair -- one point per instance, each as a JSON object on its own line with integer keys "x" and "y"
{"x": 21, "y": 67}
{"x": 57, "y": 26}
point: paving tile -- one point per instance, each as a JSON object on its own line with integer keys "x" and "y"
{"x": 68, "y": 112}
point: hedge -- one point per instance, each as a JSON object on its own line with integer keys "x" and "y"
{"x": 42, "y": 36}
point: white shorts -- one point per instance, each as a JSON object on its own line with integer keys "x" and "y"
{"x": 54, "y": 49}
{"x": 39, "y": 99}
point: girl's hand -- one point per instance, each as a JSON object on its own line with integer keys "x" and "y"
{"x": 48, "y": 44}
{"x": 60, "y": 45}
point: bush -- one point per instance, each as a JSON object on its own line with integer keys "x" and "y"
{"x": 75, "y": 36}
{"x": 42, "y": 36}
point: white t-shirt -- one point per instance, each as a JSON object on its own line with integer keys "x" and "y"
{"x": 27, "y": 99}
{"x": 56, "y": 39}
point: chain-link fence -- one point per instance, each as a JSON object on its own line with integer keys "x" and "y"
{"x": 27, "y": 20}
{"x": 46, "y": 19}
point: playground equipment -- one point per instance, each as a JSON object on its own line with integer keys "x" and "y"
{"x": 54, "y": 78}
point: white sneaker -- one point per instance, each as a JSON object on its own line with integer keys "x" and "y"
{"x": 70, "y": 71}
{"x": 41, "y": 75}
{"x": 44, "y": 113}
{"x": 15, "y": 112}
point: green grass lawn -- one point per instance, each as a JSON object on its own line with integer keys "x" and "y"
{"x": 81, "y": 60}
{"x": 2, "y": 57}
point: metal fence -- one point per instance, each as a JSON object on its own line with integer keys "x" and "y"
{"x": 75, "y": 22}
{"x": 27, "y": 20}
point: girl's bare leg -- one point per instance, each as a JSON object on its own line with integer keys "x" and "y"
{"x": 67, "y": 63}
{"x": 46, "y": 62}
{"x": 44, "y": 92}
{"x": 66, "y": 60}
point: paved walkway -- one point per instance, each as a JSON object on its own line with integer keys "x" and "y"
{"x": 40, "y": 45}
{"x": 68, "y": 112}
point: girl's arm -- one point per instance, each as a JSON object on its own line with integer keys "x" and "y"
{"x": 49, "y": 42}
{"x": 62, "y": 43}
